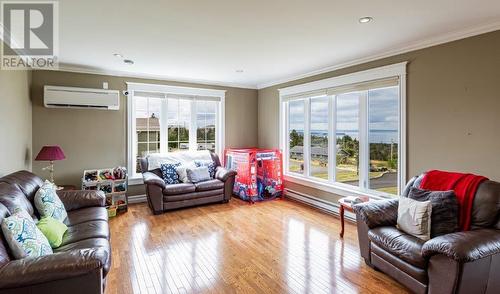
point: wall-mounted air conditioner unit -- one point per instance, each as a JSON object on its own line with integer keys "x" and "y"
{"x": 83, "y": 98}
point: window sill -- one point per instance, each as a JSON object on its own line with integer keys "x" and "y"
{"x": 336, "y": 188}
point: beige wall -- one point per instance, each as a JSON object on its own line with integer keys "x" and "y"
{"x": 98, "y": 139}
{"x": 453, "y": 107}
{"x": 15, "y": 121}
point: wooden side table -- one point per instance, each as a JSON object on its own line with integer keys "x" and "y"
{"x": 66, "y": 187}
{"x": 347, "y": 206}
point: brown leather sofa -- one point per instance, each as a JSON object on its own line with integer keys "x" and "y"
{"x": 162, "y": 197}
{"x": 79, "y": 265}
{"x": 462, "y": 262}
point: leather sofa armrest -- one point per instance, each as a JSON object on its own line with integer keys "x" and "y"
{"x": 223, "y": 174}
{"x": 57, "y": 266}
{"x": 378, "y": 213}
{"x": 80, "y": 199}
{"x": 152, "y": 179}
{"x": 464, "y": 246}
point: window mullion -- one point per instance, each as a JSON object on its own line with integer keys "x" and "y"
{"x": 307, "y": 137}
{"x": 164, "y": 126}
{"x": 193, "y": 127}
{"x": 332, "y": 139}
{"x": 286, "y": 145}
{"x": 363, "y": 142}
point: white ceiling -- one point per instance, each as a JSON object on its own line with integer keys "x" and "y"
{"x": 271, "y": 40}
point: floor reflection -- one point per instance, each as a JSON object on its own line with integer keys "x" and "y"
{"x": 315, "y": 261}
{"x": 187, "y": 265}
{"x": 271, "y": 247}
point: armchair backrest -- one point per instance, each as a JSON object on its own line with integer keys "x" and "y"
{"x": 486, "y": 205}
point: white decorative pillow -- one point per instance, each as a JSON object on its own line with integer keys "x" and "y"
{"x": 23, "y": 236}
{"x": 182, "y": 171}
{"x": 48, "y": 203}
{"x": 198, "y": 174}
{"x": 414, "y": 217}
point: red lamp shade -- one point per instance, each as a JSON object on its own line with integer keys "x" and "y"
{"x": 50, "y": 153}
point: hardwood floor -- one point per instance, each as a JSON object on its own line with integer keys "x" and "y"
{"x": 273, "y": 247}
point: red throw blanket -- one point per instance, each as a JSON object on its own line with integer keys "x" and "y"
{"x": 464, "y": 186}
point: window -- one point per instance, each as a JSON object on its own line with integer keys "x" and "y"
{"x": 179, "y": 120}
{"x": 319, "y": 137}
{"x": 346, "y": 134}
{"x": 206, "y": 116}
{"x": 296, "y": 137}
{"x": 169, "y": 119}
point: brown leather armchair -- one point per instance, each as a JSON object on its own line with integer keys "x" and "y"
{"x": 462, "y": 262}
{"x": 162, "y": 197}
{"x": 79, "y": 265}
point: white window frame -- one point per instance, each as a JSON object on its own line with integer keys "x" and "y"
{"x": 219, "y": 95}
{"x": 390, "y": 71}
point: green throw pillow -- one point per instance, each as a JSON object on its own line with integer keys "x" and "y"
{"x": 52, "y": 229}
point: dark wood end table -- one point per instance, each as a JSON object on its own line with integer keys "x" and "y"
{"x": 66, "y": 187}
{"x": 347, "y": 206}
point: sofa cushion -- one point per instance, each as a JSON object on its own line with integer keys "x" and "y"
{"x": 5, "y": 254}
{"x": 194, "y": 195}
{"x": 27, "y": 182}
{"x": 444, "y": 215}
{"x": 176, "y": 189}
{"x": 90, "y": 243}
{"x": 169, "y": 173}
{"x": 52, "y": 229}
{"x": 414, "y": 217}
{"x": 209, "y": 185}
{"x": 48, "y": 203}
{"x": 198, "y": 174}
{"x": 209, "y": 164}
{"x": 12, "y": 197}
{"x": 87, "y": 230}
{"x": 83, "y": 215}
{"x": 23, "y": 236}
{"x": 400, "y": 244}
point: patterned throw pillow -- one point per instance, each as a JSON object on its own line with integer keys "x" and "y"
{"x": 48, "y": 203}
{"x": 169, "y": 173}
{"x": 208, "y": 163}
{"x": 23, "y": 236}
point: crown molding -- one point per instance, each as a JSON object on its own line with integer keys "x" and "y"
{"x": 413, "y": 46}
{"x": 100, "y": 71}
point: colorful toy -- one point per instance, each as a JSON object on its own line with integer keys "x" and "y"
{"x": 260, "y": 175}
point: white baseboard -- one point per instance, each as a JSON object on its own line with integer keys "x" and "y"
{"x": 328, "y": 206}
{"x": 137, "y": 199}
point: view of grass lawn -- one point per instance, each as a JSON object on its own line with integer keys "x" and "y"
{"x": 390, "y": 190}
{"x": 344, "y": 172}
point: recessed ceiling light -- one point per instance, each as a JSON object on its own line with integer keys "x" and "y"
{"x": 365, "y": 19}
{"x": 128, "y": 61}
{"x": 239, "y": 71}
{"x": 117, "y": 55}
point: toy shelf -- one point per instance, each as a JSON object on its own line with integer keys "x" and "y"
{"x": 113, "y": 182}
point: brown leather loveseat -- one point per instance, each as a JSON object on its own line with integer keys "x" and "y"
{"x": 462, "y": 262}
{"x": 80, "y": 264}
{"x": 162, "y": 197}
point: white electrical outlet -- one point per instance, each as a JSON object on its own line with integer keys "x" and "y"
{"x": 105, "y": 85}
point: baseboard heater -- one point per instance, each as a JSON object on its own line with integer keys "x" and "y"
{"x": 327, "y": 206}
{"x": 137, "y": 199}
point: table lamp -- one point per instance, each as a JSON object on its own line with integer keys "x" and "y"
{"x": 50, "y": 153}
